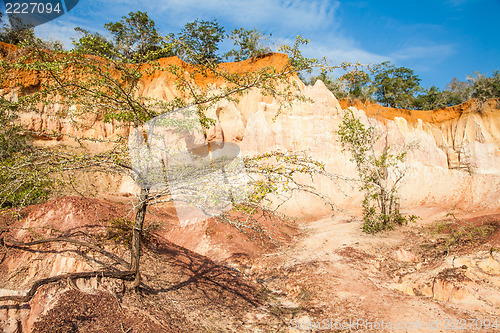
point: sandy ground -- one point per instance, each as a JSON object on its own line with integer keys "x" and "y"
{"x": 342, "y": 275}
{"x": 326, "y": 273}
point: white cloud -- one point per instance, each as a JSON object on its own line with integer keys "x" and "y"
{"x": 283, "y": 18}
{"x": 340, "y": 50}
{"x": 437, "y": 52}
{"x": 300, "y": 15}
{"x": 61, "y": 31}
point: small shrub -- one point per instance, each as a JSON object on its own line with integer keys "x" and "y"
{"x": 120, "y": 231}
{"x": 379, "y": 173}
{"x": 460, "y": 234}
{"x": 373, "y": 222}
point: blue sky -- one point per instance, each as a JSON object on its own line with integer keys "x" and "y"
{"x": 439, "y": 40}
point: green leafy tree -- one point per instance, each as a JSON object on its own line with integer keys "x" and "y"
{"x": 135, "y": 36}
{"x": 459, "y": 91}
{"x": 16, "y": 184}
{"x": 357, "y": 84}
{"x": 486, "y": 87}
{"x": 200, "y": 41}
{"x": 93, "y": 43}
{"x": 25, "y": 170}
{"x": 379, "y": 173}
{"x": 431, "y": 99}
{"x": 456, "y": 92}
{"x": 353, "y": 84}
{"x": 15, "y": 35}
{"x": 395, "y": 86}
{"x": 248, "y": 44}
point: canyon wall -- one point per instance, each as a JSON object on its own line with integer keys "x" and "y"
{"x": 453, "y": 162}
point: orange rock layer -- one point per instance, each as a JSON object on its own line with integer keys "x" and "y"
{"x": 429, "y": 116}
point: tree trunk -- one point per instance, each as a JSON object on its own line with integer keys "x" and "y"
{"x": 136, "y": 235}
{"x": 383, "y": 202}
{"x": 390, "y": 205}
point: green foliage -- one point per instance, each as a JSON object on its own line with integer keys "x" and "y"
{"x": 275, "y": 173}
{"x": 478, "y": 86}
{"x": 324, "y": 77}
{"x": 337, "y": 87}
{"x": 379, "y": 173}
{"x": 11, "y": 139}
{"x": 93, "y": 43}
{"x": 296, "y": 59}
{"x": 431, "y": 99}
{"x": 135, "y": 36}
{"x": 459, "y": 91}
{"x": 134, "y": 39}
{"x": 357, "y": 84}
{"x": 28, "y": 173}
{"x": 399, "y": 87}
{"x": 486, "y": 87}
{"x": 15, "y": 34}
{"x": 19, "y": 33}
{"x": 374, "y": 222}
{"x": 395, "y": 86}
{"x": 248, "y": 44}
{"x": 457, "y": 233}
{"x": 23, "y": 180}
{"x": 384, "y": 83}
{"x": 200, "y": 41}
{"x": 120, "y": 231}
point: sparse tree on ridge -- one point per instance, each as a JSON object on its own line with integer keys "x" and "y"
{"x": 93, "y": 43}
{"x": 486, "y": 87}
{"x": 14, "y": 35}
{"x": 19, "y": 33}
{"x": 200, "y": 41}
{"x": 357, "y": 84}
{"x": 135, "y": 36}
{"x": 460, "y": 91}
{"x": 336, "y": 86}
{"x": 248, "y": 44}
{"x": 395, "y": 86}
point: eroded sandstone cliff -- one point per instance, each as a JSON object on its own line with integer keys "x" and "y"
{"x": 454, "y": 159}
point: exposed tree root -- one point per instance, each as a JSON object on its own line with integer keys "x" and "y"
{"x": 122, "y": 275}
